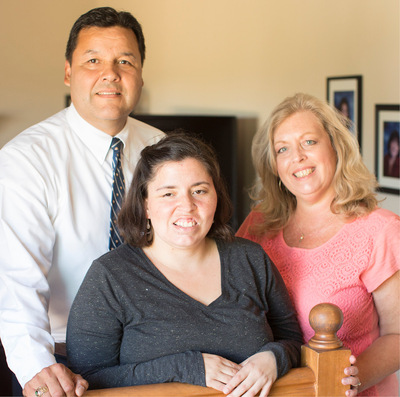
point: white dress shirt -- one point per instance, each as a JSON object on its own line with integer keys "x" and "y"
{"x": 55, "y": 194}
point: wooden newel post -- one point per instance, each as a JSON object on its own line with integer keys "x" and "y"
{"x": 325, "y": 353}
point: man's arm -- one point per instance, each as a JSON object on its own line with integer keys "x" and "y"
{"x": 26, "y": 249}
{"x": 27, "y": 239}
{"x": 26, "y": 243}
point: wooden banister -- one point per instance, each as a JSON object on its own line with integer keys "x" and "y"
{"x": 323, "y": 361}
{"x": 325, "y": 353}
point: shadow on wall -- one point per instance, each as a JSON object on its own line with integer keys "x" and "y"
{"x": 5, "y": 133}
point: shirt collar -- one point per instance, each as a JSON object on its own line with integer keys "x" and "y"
{"x": 98, "y": 142}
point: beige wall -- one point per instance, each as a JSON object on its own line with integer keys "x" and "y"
{"x": 235, "y": 57}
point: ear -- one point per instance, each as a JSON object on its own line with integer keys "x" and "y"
{"x": 67, "y": 75}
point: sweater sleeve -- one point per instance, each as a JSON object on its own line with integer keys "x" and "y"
{"x": 281, "y": 316}
{"x": 94, "y": 340}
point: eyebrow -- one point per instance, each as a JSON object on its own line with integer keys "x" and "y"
{"x": 126, "y": 54}
{"x": 279, "y": 142}
{"x": 285, "y": 140}
{"x": 174, "y": 187}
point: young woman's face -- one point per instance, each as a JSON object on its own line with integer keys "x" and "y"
{"x": 181, "y": 203}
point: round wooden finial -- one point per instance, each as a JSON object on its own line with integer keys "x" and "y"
{"x": 325, "y": 319}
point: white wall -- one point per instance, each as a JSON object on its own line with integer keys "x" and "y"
{"x": 33, "y": 36}
{"x": 238, "y": 57}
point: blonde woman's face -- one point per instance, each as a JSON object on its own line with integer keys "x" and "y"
{"x": 305, "y": 158}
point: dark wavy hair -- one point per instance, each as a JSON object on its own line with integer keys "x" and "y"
{"x": 105, "y": 17}
{"x": 176, "y": 146}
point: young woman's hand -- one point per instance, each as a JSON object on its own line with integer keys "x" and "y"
{"x": 257, "y": 374}
{"x": 219, "y": 370}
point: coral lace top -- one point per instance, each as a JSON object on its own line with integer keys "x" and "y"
{"x": 344, "y": 271}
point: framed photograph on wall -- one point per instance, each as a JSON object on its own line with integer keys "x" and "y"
{"x": 387, "y": 160}
{"x": 345, "y": 93}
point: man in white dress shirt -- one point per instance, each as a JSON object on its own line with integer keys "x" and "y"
{"x": 55, "y": 191}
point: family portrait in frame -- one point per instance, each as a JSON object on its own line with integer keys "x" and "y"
{"x": 387, "y": 159}
{"x": 345, "y": 93}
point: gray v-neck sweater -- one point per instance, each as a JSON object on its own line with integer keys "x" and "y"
{"x": 129, "y": 325}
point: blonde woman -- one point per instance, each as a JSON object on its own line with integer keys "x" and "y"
{"x": 316, "y": 216}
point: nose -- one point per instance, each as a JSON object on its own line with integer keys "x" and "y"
{"x": 187, "y": 202}
{"x": 299, "y": 154}
{"x": 110, "y": 72}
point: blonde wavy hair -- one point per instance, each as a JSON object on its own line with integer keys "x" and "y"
{"x": 354, "y": 184}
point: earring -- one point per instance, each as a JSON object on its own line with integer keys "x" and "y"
{"x": 280, "y": 184}
{"x": 149, "y": 231}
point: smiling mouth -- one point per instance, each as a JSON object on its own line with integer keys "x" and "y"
{"x": 108, "y": 93}
{"x": 303, "y": 173}
{"x": 185, "y": 223}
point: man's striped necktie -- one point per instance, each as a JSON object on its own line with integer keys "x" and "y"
{"x": 117, "y": 193}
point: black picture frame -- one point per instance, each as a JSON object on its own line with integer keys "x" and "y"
{"x": 387, "y": 128}
{"x": 345, "y": 92}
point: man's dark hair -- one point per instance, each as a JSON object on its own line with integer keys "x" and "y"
{"x": 105, "y": 17}
{"x": 176, "y": 146}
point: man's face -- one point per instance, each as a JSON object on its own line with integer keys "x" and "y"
{"x": 105, "y": 76}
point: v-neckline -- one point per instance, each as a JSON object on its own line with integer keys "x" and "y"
{"x": 184, "y": 294}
